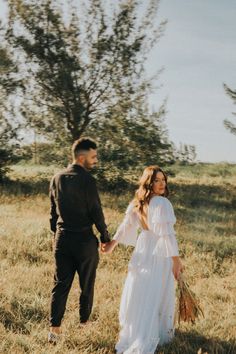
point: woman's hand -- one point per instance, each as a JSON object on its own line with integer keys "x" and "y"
{"x": 177, "y": 267}
{"x": 108, "y": 247}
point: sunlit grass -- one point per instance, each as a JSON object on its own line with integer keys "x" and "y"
{"x": 206, "y": 227}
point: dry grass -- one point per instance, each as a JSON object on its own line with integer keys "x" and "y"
{"x": 206, "y": 230}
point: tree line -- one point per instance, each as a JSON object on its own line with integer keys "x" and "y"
{"x": 74, "y": 69}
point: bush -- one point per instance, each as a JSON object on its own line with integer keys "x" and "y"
{"x": 110, "y": 179}
{"x": 5, "y": 160}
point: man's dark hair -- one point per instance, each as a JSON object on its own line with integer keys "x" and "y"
{"x": 82, "y": 144}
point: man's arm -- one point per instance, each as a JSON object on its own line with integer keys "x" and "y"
{"x": 53, "y": 211}
{"x": 95, "y": 210}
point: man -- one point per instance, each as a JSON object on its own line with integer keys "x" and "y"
{"x": 75, "y": 207}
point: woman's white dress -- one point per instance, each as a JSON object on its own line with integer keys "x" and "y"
{"x": 147, "y": 304}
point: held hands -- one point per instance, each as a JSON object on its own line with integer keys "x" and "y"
{"x": 177, "y": 267}
{"x": 108, "y": 247}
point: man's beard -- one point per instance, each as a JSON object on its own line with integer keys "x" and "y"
{"x": 89, "y": 166}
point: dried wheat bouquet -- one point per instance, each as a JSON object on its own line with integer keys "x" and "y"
{"x": 188, "y": 308}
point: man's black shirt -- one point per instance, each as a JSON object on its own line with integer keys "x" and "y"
{"x": 75, "y": 203}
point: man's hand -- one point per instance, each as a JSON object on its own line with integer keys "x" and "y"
{"x": 108, "y": 247}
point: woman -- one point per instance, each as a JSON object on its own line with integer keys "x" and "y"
{"x": 147, "y": 303}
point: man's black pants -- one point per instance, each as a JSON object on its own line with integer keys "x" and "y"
{"x": 74, "y": 252}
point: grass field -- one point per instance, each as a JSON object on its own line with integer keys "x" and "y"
{"x": 204, "y": 199}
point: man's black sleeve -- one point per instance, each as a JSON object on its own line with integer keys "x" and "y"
{"x": 53, "y": 212}
{"x": 95, "y": 210}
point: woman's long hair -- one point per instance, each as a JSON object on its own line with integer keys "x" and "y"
{"x": 145, "y": 191}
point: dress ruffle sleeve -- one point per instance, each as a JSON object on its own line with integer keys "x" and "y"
{"x": 127, "y": 232}
{"x": 161, "y": 221}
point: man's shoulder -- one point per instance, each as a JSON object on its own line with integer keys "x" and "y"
{"x": 82, "y": 172}
{"x": 68, "y": 171}
{"x": 58, "y": 174}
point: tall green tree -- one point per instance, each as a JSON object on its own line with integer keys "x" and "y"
{"x": 227, "y": 123}
{"x": 8, "y": 125}
{"x": 80, "y": 64}
{"x": 135, "y": 142}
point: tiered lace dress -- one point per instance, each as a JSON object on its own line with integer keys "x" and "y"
{"x": 147, "y": 303}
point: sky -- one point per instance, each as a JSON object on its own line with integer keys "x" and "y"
{"x": 198, "y": 52}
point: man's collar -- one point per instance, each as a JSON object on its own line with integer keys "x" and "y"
{"x": 75, "y": 167}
